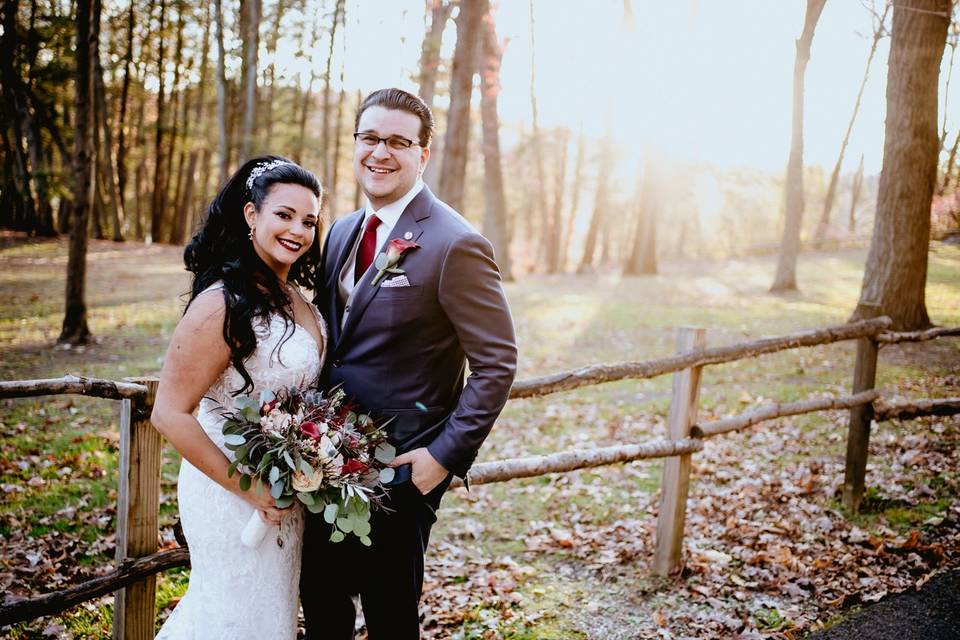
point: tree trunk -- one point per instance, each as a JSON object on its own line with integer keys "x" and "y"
{"x": 600, "y": 206}
{"x": 177, "y": 94}
{"x": 159, "y": 168}
{"x": 307, "y": 101}
{"x": 327, "y": 107}
{"x": 75, "y": 330}
{"x": 101, "y": 202}
{"x": 251, "y": 10}
{"x": 948, "y": 174}
{"x": 222, "y": 147}
{"x": 643, "y": 253}
{"x": 457, "y": 139}
{"x": 540, "y": 213}
{"x": 122, "y": 120}
{"x": 184, "y": 207}
{"x": 106, "y": 179}
{"x": 786, "y": 278}
{"x": 854, "y": 196}
{"x": 554, "y": 229}
{"x": 824, "y": 224}
{"x": 495, "y": 213}
{"x": 896, "y": 271}
{"x": 439, "y": 11}
{"x": 574, "y": 204}
{"x": 270, "y": 75}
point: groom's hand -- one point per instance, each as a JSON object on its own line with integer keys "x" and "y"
{"x": 425, "y": 472}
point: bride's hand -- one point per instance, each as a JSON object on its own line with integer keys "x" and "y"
{"x": 265, "y": 504}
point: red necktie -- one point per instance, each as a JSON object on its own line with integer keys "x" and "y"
{"x": 368, "y": 244}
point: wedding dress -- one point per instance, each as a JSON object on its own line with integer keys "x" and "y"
{"x": 236, "y": 592}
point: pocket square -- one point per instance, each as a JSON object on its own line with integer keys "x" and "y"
{"x": 398, "y": 281}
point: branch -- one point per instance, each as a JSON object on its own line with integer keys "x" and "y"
{"x": 774, "y": 410}
{"x": 501, "y": 470}
{"x": 598, "y": 373}
{"x": 915, "y": 408}
{"x": 72, "y": 384}
{"x": 893, "y": 337}
{"x": 19, "y": 610}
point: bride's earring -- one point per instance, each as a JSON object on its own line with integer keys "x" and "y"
{"x": 250, "y": 235}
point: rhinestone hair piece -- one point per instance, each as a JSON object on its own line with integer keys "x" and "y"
{"x": 262, "y": 168}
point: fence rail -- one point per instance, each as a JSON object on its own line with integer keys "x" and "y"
{"x": 138, "y": 562}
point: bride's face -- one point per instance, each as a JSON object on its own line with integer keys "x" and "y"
{"x": 285, "y": 226}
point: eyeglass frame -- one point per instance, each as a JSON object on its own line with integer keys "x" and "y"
{"x": 385, "y": 141}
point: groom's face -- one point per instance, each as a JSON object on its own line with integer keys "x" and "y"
{"x": 385, "y": 172}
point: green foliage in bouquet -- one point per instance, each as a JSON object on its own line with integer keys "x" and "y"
{"x": 315, "y": 448}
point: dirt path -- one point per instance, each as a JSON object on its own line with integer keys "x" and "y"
{"x": 933, "y": 613}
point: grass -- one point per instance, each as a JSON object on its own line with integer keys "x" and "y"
{"x": 563, "y": 322}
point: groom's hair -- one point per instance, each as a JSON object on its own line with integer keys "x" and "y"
{"x": 401, "y": 100}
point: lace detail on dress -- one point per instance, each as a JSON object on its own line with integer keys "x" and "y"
{"x": 236, "y": 592}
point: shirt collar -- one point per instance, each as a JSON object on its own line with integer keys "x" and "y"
{"x": 390, "y": 213}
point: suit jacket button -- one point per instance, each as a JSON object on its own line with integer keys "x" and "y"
{"x": 336, "y": 363}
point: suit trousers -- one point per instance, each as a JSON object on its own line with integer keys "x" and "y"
{"x": 388, "y": 575}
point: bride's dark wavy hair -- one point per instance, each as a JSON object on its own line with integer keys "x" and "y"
{"x": 222, "y": 250}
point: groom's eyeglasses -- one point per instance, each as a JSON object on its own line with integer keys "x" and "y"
{"x": 395, "y": 143}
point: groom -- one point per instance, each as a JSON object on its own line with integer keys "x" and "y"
{"x": 400, "y": 342}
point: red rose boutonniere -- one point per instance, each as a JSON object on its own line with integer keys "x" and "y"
{"x": 388, "y": 260}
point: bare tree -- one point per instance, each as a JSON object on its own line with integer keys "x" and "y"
{"x": 75, "y": 329}
{"x": 222, "y": 142}
{"x": 879, "y": 32}
{"x": 495, "y": 216}
{"x": 439, "y": 12}
{"x": 540, "y": 212}
{"x": 855, "y": 187}
{"x": 553, "y": 231}
{"x": 159, "y": 168}
{"x": 576, "y": 188}
{"x": 895, "y": 275}
{"x": 251, "y": 10}
{"x": 327, "y": 106}
{"x": 786, "y": 277}
{"x": 457, "y": 138}
{"x": 124, "y": 100}
{"x": 643, "y": 253}
{"x": 600, "y": 206}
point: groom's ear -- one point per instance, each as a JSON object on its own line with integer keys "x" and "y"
{"x": 424, "y": 158}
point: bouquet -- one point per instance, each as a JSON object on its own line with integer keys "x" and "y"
{"x": 313, "y": 447}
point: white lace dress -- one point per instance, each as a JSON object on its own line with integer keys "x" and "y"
{"x": 236, "y": 592}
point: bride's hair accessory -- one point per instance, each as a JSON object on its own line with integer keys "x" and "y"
{"x": 262, "y": 168}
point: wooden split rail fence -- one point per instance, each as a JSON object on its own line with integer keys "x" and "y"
{"x": 138, "y": 562}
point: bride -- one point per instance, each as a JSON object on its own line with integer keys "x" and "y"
{"x": 246, "y": 329}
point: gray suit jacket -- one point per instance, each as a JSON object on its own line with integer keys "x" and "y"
{"x": 401, "y": 346}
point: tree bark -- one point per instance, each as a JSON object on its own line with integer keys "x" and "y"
{"x": 439, "y": 11}
{"x": 270, "y": 75}
{"x": 122, "y": 120}
{"x": 824, "y": 224}
{"x": 457, "y": 139}
{"x": 643, "y": 253}
{"x": 75, "y": 329}
{"x": 600, "y": 205}
{"x": 554, "y": 230}
{"x": 576, "y": 188}
{"x": 896, "y": 271}
{"x": 786, "y": 277}
{"x": 540, "y": 212}
{"x": 222, "y": 145}
{"x": 157, "y": 197}
{"x": 495, "y": 212}
{"x": 107, "y": 179}
{"x": 327, "y": 107}
{"x": 251, "y": 10}
{"x": 855, "y": 188}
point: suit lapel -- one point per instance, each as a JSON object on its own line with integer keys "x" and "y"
{"x": 408, "y": 223}
{"x": 341, "y": 251}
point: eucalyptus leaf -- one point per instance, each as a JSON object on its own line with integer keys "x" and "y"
{"x": 381, "y": 261}
{"x": 234, "y": 439}
{"x": 330, "y": 513}
{"x": 385, "y": 453}
{"x": 274, "y": 475}
{"x": 284, "y": 501}
{"x": 305, "y": 467}
{"x": 387, "y": 474}
{"x": 305, "y": 498}
{"x": 345, "y": 524}
{"x": 366, "y": 541}
{"x": 244, "y": 482}
{"x": 362, "y": 528}
{"x": 396, "y": 270}
{"x": 289, "y": 461}
{"x": 316, "y": 507}
{"x": 337, "y": 536}
{"x": 231, "y": 469}
{"x": 276, "y": 490}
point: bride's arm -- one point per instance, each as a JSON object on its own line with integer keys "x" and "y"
{"x": 196, "y": 357}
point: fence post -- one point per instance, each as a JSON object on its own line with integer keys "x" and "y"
{"x": 138, "y": 506}
{"x": 676, "y": 470}
{"x": 858, "y": 430}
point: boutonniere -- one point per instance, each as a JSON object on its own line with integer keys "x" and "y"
{"x": 388, "y": 260}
